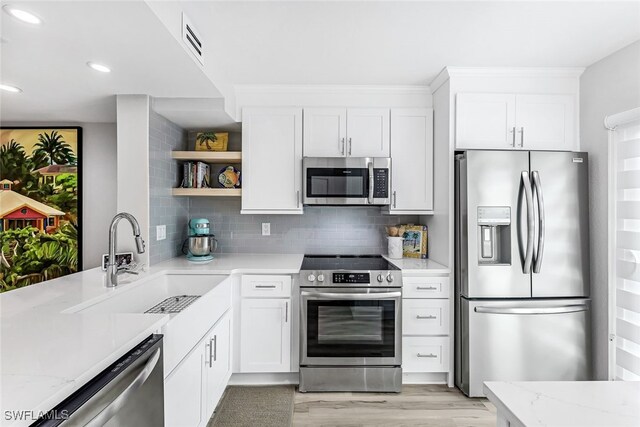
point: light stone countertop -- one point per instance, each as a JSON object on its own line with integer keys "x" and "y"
{"x": 566, "y": 403}
{"x": 47, "y": 352}
{"x": 419, "y": 266}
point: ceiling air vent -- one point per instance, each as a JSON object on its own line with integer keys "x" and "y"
{"x": 192, "y": 39}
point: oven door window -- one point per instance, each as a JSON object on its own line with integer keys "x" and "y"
{"x": 337, "y": 182}
{"x": 350, "y": 328}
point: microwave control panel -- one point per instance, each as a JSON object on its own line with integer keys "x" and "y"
{"x": 381, "y": 183}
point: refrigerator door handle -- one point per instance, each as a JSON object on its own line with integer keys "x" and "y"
{"x": 573, "y": 308}
{"x": 537, "y": 186}
{"x": 528, "y": 193}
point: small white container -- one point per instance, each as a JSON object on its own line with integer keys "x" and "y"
{"x": 395, "y": 247}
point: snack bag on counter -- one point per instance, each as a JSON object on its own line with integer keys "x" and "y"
{"x": 415, "y": 241}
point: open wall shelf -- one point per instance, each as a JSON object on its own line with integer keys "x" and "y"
{"x": 208, "y": 156}
{"x": 207, "y": 192}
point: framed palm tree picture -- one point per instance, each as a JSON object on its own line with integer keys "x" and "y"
{"x": 40, "y": 204}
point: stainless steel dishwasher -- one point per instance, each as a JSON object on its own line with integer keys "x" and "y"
{"x": 130, "y": 392}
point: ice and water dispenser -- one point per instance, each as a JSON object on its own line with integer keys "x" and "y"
{"x": 494, "y": 235}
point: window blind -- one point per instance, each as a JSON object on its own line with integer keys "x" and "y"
{"x": 624, "y": 244}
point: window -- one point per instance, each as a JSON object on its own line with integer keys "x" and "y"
{"x": 624, "y": 245}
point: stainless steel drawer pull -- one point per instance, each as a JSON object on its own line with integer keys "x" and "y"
{"x": 427, "y": 288}
{"x": 431, "y": 316}
{"x": 215, "y": 348}
{"x": 430, "y": 355}
{"x": 265, "y": 286}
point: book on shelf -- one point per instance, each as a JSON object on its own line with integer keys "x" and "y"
{"x": 196, "y": 175}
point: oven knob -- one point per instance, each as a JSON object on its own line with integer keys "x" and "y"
{"x": 389, "y": 278}
{"x": 380, "y": 278}
{"x": 311, "y": 277}
{"x": 320, "y": 277}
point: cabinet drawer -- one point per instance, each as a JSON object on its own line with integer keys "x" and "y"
{"x": 425, "y": 317}
{"x": 425, "y": 354}
{"x": 425, "y": 287}
{"x": 265, "y": 286}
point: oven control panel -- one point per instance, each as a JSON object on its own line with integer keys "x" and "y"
{"x": 346, "y": 277}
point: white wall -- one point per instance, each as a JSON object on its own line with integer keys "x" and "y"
{"x": 609, "y": 86}
{"x": 133, "y": 169}
{"x": 99, "y": 147}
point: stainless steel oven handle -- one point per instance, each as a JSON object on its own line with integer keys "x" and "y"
{"x": 331, "y": 295}
{"x": 371, "y": 182}
{"x": 116, "y": 405}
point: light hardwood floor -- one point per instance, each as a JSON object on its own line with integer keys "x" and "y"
{"x": 417, "y": 405}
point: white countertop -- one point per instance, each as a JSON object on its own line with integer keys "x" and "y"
{"x": 419, "y": 266}
{"x": 567, "y": 403}
{"x": 46, "y": 353}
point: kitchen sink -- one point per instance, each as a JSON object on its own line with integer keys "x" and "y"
{"x": 193, "y": 303}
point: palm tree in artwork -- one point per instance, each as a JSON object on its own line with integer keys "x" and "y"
{"x": 54, "y": 148}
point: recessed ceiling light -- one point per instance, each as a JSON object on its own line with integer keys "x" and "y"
{"x": 99, "y": 67}
{"x": 22, "y": 15}
{"x": 10, "y": 88}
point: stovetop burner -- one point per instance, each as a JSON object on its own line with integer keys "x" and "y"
{"x": 346, "y": 262}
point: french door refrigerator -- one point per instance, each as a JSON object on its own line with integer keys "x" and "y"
{"x": 522, "y": 270}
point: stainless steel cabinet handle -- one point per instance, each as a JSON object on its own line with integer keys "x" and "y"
{"x": 394, "y": 198}
{"x": 297, "y": 198}
{"x": 371, "y": 182}
{"x": 528, "y": 257}
{"x": 430, "y": 355}
{"x": 342, "y": 149}
{"x": 537, "y": 187}
{"x": 286, "y": 311}
{"x": 533, "y": 310}
{"x": 210, "y": 352}
{"x": 349, "y": 146}
{"x": 426, "y": 288}
{"x": 330, "y": 295}
{"x": 431, "y": 316}
{"x": 521, "y": 137}
{"x": 513, "y": 136}
{"x": 116, "y": 405}
{"x": 215, "y": 348}
{"x": 265, "y": 286}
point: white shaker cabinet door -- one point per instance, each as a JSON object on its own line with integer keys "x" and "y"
{"x": 183, "y": 391}
{"x": 265, "y": 335}
{"x": 485, "y": 121}
{"x": 325, "y": 131}
{"x": 272, "y": 160}
{"x": 412, "y": 160}
{"x": 368, "y": 132}
{"x": 546, "y": 122}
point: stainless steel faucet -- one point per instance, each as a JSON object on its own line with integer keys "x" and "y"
{"x": 112, "y": 267}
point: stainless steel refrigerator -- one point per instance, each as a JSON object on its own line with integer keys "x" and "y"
{"x": 522, "y": 268}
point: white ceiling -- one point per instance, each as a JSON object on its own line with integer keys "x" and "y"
{"x": 406, "y": 43}
{"x": 294, "y": 42}
{"x": 48, "y": 62}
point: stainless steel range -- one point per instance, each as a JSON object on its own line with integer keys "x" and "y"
{"x": 350, "y": 324}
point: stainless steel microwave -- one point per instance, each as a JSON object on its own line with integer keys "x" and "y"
{"x": 361, "y": 181}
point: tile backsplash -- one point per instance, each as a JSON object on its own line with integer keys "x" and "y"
{"x": 165, "y": 174}
{"x": 321, "y": 230}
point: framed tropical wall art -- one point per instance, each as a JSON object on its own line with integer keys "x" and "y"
{"x": 40, "y": 204}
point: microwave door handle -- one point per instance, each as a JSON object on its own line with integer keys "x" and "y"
{"x": 371, "y": 182}
{"x": 338, "y": 296}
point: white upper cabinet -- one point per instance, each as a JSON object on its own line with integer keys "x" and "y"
{"x": 545, "y": 122}
{"x": 412, "y": 161}
{"x": 325, "y": 132}
{"x": 272, "y": 160}
{"x": 346, "y": 132}
{"x": 368, "y": 132}
{"x": 515, "y": 121}
{"x": 485, "y": 120}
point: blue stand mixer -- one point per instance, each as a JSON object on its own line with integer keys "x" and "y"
{"x": 200, "y": 243}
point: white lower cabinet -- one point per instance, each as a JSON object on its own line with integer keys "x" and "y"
{"x": 195, "y": 386}
{"x": 265, "y": 335}
{"x": 426, "y": 326}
